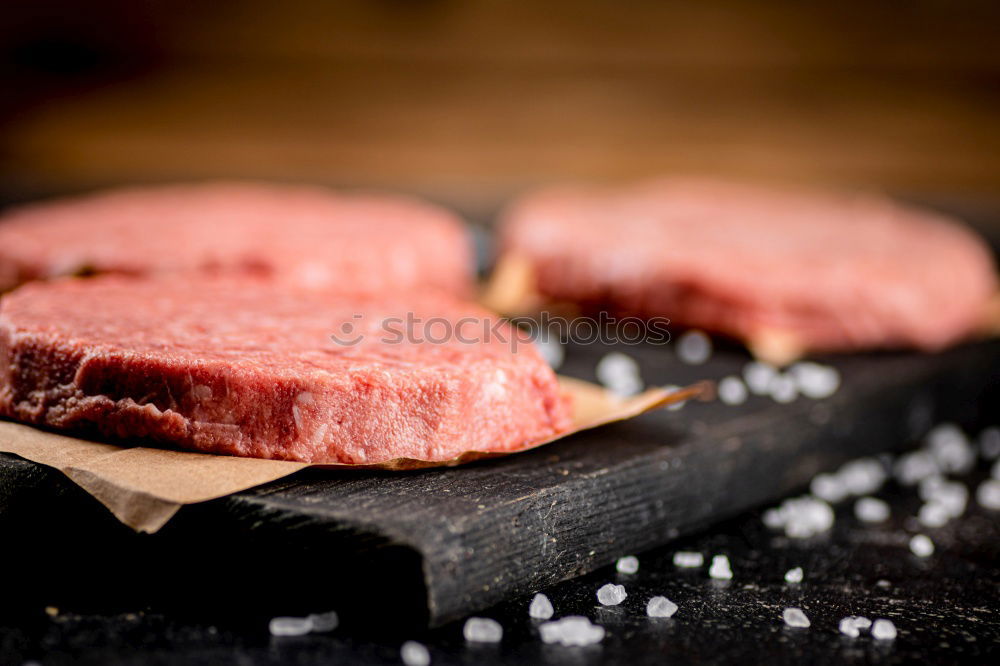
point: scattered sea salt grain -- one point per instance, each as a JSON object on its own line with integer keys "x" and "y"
{"x": 828, "y": 487}
{"x": 289, "y": 626}
{"x": 989, "y": 443}
{"x": 794, "y": 575}
{"x": 619, "y": 374}
{"x": 611, "y": 594}
{"x": 482, "y": 630}
{"x": 660, "y": 607}
{"x": 801, "y": 517}
{"x": 883, "y": 630}
{"x": 794, "y": 617}
{"x": 323, "y": 622}
{"x": 732, "y": 390}
{"x": 628, "y": 564}
{"x": 933, "y": 514}
{"x": 871, "y": 510}
{"x": 814, "y": 380}
{"x": 783, "y": 389}
{"x": 773, "y": 519}
{"x": 574, "y": 630}
{"x": 913, "y": 467}
{"x": 694, "y": 347}
{"x": 677, "y": 405}
{"x": 953, "y": 496}
{"x": 758, "y": 376}
{"x": 951, "y": 449}
{"x": 862, "y": 476}
{"x": 720, "y": 568}
{"x": 688, "y": 560}
{"x": 540, "y": 607}
{"x": 988, "y": 494}
{"x": 853, "y": 626}
{"x": 415, "y": 654}
{"x": 921, "y": 545}
{"x": 551, "y": 350}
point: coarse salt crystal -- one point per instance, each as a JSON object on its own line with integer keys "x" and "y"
{"x": 913, "y": 467}
{"x": 540, "y": 607}
{"x": 921, "y": 545}
{"x": 687, "y": 560}
{"x": 933, "y": 514}
{"x": 952, "y": 495}
{"x": 619, "y": 374}
{"x": 732, "y": 390}
{"x": 988, "y": 494}
{"x": 794, "y": 617}
{"x": 611, "y": 594}
{"x": 951, "y": 449}
{"x": 660, "y": 607}
{"x": 883, "y": 630}
{"x": 783, "y": 389}
{"x": 758, "y": 376}
{"x": 989, "y": 443}
{"x": 720, "y": 568}
{"x": 289, "y": 626}
{"x": 694, "y": 347}
{"x": 482, "y": 630}
{"x": 415, "y": 654}
{"x": 871, "y": 510}
{"x": 322, "y": 622}
{"x": 814, "y": 380}
{"x": 628, "y": 564}
{"x": 862, "y": 476}
{"x": 794, "y": 575}
{"x": 828, "y": 487}
{"x": 572, "y": 631}
{"x": 853, "y": 626}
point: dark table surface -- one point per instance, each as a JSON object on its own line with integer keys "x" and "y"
{"x": 945, "y": 608}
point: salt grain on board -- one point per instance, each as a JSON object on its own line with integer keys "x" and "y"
{"x": 988, "y": 494}
{"x": 871, "y": 510}
{"x": 921, "y": 545}
{"x": 540, "y": 607}
{"x": 720, "y": 569}
{"x": 619, "y": 374}
{"x": 794, "y": 617}
{"x": 323, "y": 622}
{"x": 289, "y": 626}
{"x": 732, "y": 390}
{"x": 814, "y": 380}
{"x": 571, "y": 631}
{"x": 660, "y": 607}
{"x": 688, "y": 560}
{"x": 694, "y": 347}
{"x": 627, "y": 565}
{"x": 482, "y": 630}
{"x": 783, "y": 389}
{"x": 415, "y": 654}
{"x": 611, "y": 594}
{"x": 758, "y": 376}
{"x": 989, "y": 443}
{"x": 883, "y": 630}
{"x": 794, "y": 575}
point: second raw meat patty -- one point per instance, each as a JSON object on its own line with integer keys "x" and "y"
{"x": 250, "y": 369}
{"x": 304, "y": 235}
{"x": 819, "y": 271}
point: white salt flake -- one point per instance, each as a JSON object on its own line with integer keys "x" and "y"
{"x": 853, "y": 625}
{"x": 540, "y": 607}
{"x": 803, "y": 517}
{"x": 611, "y": 594}
{"x": 933, "y": 514}
{"x": 619, "y": 374}
{"x": 951, "y": 449}
{"x": 989, "y": 443}
{"x": 883, "y": 630}
{"x": 921, "y": 545}
{"x": 774, "y": 518}
{"x": 913, "y": 467}
{"x": 871, "y": 510}
{"x": 952, "y": 495}
{"x": 415, "y": 654}
{"x": 783, "y": 388}
{"x": 551, "y": 350}
{"x": 289, "y": 626}
{"x": 482, "y": 630}
{"x": 688, "y": 560}
{"x": 814, "y": 380}
{"x": 694, "y": 347}
{"x": 988, "y": 494}
{"x": 758, "y": 376}
{"x": 732, "y": 390}
{"x": 628, "y": 564}
{"x": 572, "y": 631}
{"x": 794, "y": 575}
{"x": 794, "y": 617}
{"x": 828, "y": 487}
{"x": 720, "y": 568}
{"x": 660, "y": 607}
{"x": 862, "y": 476}
{"x": 323, "y": 622}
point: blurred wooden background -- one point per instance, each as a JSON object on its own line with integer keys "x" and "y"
{"x": 470, "y": 101}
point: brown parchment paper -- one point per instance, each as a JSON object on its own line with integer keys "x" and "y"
{"x": 144, "y": 487}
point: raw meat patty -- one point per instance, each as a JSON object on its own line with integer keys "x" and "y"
{"x": 829, "y": 272}
{"x": 299, "y": 234}
{"x": 248, "y": 368}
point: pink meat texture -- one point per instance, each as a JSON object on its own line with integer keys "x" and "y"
{"x": 305, "y": 235}
{"x": 834, "y": 271}
{"x": 249, "y": 368}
